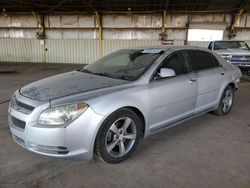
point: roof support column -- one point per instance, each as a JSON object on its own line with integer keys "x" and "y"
{"x": 41, "y": 34}
{"x": 163, "y": 34}
{"x": 99, "y": 23}
{"x": 234, "y": 23}
{"x": 163, "y": 25}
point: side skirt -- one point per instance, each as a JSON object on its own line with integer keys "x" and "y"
{"x": 173, "y": 124}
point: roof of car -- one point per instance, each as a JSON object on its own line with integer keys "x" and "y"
{"x": 167, "y": 47}
{"x": 228, "y": 41}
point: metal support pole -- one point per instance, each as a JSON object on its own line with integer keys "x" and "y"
{"x": 99, "y": 23}
{"x": 164, "y": 15}
{"x": 44, "y": 41}
{"x": 41, "y": 37}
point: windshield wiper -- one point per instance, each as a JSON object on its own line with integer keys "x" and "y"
{"x": 105, "y": 74}
{"x": 114, "y": 76}
{"x": 129, "y": 78}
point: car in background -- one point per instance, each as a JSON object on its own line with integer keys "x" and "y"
{"x": 106, "y": 107}
{"x": 235, "y": 52}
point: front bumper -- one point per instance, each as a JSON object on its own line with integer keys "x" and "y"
{"x": 73, "y": 140}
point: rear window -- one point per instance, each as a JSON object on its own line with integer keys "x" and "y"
{"x": 203, "y": 60}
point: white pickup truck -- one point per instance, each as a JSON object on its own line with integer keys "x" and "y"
{"x": 235, "y": 52}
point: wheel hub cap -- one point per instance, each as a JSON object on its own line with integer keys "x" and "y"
{"x": 120, "y": 137}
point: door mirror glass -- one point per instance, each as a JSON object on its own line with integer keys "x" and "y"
{"x": 165, "y": 72}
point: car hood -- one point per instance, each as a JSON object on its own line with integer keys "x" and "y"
{"x": 236, "y": 51}
{"x": 67, "y": 84}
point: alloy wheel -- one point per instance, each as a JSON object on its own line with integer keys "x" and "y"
{"x": 120, "y": 137}
{"x": 227, "y": 101}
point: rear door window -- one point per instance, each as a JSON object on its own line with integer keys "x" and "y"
{"x": 203, "y": 60}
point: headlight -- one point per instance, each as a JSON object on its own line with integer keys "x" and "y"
{"x": 62, "y": 114}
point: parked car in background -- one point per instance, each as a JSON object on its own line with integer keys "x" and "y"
{"x": 235, "y": 52}
{"x": 106, "y": 107}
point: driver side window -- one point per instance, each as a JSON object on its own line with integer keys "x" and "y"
{"x": 179, "y": 62}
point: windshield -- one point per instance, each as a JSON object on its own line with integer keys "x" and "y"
{"x": 223, "y": 45}
{"x": 124, "y": 64}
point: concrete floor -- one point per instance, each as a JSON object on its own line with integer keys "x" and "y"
{"x": 208, "y": 151}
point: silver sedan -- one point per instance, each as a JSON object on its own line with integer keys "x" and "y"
{"x": 106, "y": 107}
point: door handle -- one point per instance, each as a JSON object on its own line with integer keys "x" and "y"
{"x": 222, "y": 73}
{"x": 192, "y": 80}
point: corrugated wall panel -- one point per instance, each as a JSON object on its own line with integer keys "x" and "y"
{"x": 178, "y": 42}
{"x": 72, "y": 51}
{"x": 198, "y": 43}
{"x": 20, "y": 50}
{"x": 68, "y": 50}
{"x": 113, "y": 45}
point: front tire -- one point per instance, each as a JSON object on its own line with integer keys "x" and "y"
{"x": 118, "y": 136}
{"x": 226, "y": 101}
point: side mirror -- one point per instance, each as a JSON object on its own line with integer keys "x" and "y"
{"x": 164, "y": 72}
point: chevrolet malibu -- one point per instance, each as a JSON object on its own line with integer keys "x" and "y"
{"x": 106, "y": 107}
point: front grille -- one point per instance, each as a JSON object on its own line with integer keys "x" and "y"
{"x": 20, "y": 106}
{"x": 239, "y": 59}
{"x": 18, "y": 123}
{"x": 241, "y": 56}
{"x": 25, "y": 106}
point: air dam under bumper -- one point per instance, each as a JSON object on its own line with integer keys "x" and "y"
{"x": 73, "y": 140}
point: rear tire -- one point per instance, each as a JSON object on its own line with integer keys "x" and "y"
{"x": 118, "y": 136}
{"x": 226, "y": 101}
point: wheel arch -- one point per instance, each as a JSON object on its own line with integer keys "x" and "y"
{"x": 140, "y": 116}
{"x": 136, "y": 110}
{"x": 223, "y": 87}
{"x": 232, "y": 85}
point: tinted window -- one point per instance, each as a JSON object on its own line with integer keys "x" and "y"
{"x": 203, "y": 60}
{"x": 223, "y": 45}
{"x": 179, "y": 62}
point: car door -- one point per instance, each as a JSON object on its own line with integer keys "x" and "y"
{"x": 209, "y": 78}
{"x": 172, "y": 98}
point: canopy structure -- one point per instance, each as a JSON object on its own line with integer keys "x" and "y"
{"x": 105, "y": 6}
